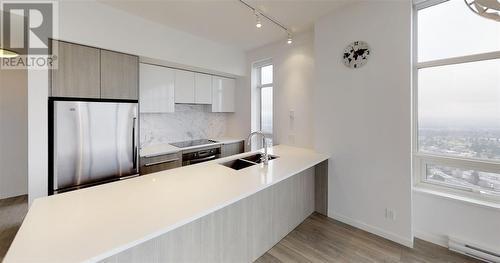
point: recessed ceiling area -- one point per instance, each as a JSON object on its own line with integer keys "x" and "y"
{"x": 229, "y": 22}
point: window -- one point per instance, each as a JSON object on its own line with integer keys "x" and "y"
{"x": 457, "y": 100}
{"x": 265, "y": 91}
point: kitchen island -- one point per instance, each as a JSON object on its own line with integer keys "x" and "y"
{"x": 205, "y": 212}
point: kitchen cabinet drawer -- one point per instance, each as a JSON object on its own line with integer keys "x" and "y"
{"x": 156, "y": 89}
{"x": 203, "y": 88}
{"x": 233, "y": 148}
{"x": 160, "y": 163}
{"x": 78, "y": 71}
{"x": 184, "y": 86}
{"x": 223, "y": 94}
{"x": 119, "y": 76}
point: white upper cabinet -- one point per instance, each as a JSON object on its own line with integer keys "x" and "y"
{"x": 223, "y": 94}
{"x": 156, "y": 89}
{"x": 162, "y": 87}
{"x": 184, "y": 87}
{"x": 203, "y": 88}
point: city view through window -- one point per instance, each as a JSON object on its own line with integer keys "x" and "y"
{"x": 265, "y": 90}
{"x": 465, "y": 143}
{"x": 459, "y": 104}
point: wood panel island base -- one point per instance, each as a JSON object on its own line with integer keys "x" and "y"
{"x": 240, "y": 232}
{"x": 200, "y": 213}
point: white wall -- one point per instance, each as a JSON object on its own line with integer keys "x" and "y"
{"x": 37, "y": 133}
{"x": 95, "y": 24}
{"x": 363, "y": 116}
{"x": 13, "y": 133}
{"x": 436, "y": 218}
{"x": 293, "y": 85}
{"x": 238, "y": 123}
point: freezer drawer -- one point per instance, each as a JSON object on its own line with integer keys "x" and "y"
{"x": 93, "y": 142}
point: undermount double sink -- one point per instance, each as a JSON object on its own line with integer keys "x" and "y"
{"x": 248, "y": 161}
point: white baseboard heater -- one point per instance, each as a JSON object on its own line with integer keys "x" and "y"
{"x": 473, "y": 250}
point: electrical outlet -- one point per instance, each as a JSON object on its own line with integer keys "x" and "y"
{"x": 390, "y": 214}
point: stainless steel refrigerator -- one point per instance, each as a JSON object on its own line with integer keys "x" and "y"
{"x": 92, "y": 142}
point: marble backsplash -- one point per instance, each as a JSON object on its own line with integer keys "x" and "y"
{"x": 188, "y": 122}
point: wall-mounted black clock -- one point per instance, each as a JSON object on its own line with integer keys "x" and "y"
{"x": 356, "y": 54}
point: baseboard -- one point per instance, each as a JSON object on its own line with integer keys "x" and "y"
{"x": 432, "y": 238}
{"x": 374, "y": 230}
{"x": 11, "y": 195}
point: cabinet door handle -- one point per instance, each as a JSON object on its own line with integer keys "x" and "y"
{"x": 160, "y": 162}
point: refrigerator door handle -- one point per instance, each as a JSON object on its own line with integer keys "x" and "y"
{"x": 134, "y": 147}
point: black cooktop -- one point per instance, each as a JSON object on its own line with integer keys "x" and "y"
{"x": 186, "y": 144}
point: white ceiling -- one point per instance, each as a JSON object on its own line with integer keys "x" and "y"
{"x": 230, "y": 22}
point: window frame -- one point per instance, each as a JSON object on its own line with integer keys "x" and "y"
{"x": 259, "y": 88}
{"x": 420, "y": 160}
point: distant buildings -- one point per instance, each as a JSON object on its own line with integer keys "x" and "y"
{"x": 464, "y": 143}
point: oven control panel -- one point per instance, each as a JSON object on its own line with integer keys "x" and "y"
{"x": 201, "y": 155}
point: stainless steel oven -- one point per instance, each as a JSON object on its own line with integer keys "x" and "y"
{"x": 202, "y": 154}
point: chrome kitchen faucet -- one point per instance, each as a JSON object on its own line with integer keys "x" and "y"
{"x": 265, "y": 157}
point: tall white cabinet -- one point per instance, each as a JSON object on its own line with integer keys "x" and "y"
{"x": 223, "y": 94}
{"x": 157, "y": 89}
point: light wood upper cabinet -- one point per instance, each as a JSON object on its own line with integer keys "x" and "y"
{"x": 203, "y": 88}
{"x": 184, "y": 86}
{"x": 223, "y": 94}
{"x": 156, "y": 89}
{"x": 87, "y": 72}
{"x": 119, "y": 75}
{"x": 78, "y": 71}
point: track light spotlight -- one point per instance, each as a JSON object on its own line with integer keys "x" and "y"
{"x": 257, "y": 18}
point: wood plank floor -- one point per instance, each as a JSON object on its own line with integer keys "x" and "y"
{"x": 322, "y": 239}
{"x": 12, "y": 212}
{"x": 317, "y": 239}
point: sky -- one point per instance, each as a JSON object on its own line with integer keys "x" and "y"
{"x": 461, "y": 95}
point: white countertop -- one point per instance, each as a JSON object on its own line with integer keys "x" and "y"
{"x": 94, "y": 223}
{"x": 165, "y": 148}
{"x": 158, "y": 149}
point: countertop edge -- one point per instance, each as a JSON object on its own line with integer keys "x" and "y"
{"x": 174, "y": 149}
